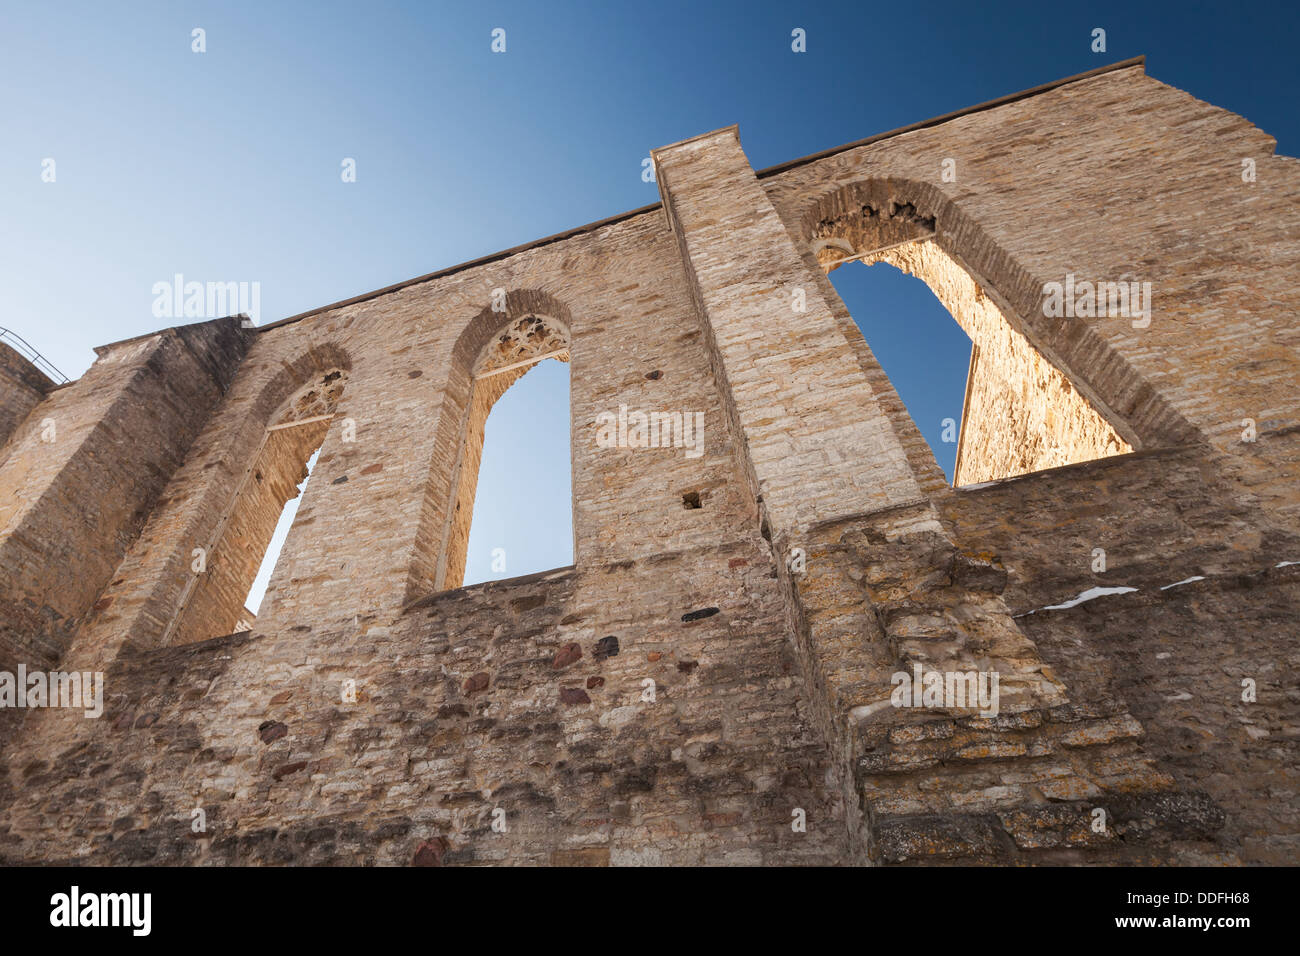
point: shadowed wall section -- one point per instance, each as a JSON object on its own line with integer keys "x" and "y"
{"x": 84, "y": 473}
{"x": 22, "y": 387}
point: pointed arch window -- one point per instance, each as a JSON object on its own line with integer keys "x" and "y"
{"x": 1018, "y": 412}
{"x": 508, "y": 356}
{"x": 245, "y": 539}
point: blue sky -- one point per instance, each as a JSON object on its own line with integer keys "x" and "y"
{"x": 225, "y": 165}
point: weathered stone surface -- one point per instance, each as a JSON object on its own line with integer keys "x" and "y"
{"x": 721, "y": 658}
{"x": 271, "y": 731}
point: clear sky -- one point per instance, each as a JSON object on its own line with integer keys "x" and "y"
{"x": 225, "y": 165}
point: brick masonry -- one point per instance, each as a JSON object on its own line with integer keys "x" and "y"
{"x": 710, "y": 682}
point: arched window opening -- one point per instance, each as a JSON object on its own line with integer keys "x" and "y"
{"x": 1018, "y": 413}
{"x": 925, "y": 354}
{"x": 257, "y": 591}
{"x": 523, "y": 517}
{"x": 246, "y": 540}
{"x": 517, "y": 497}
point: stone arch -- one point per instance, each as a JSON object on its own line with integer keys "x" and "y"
{"x": 495, "y": 349}
{"x": 292, "y": 378}
{"x": 145, "y": 604}
{"x": 1041, "y": 393}
{"x": 290, "y": 416}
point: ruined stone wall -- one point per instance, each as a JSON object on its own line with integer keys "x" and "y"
{"x": 527, "y": 696}
{"x": 1179, "y": 658}
{"x": 22, "y": 387}
{"x": 718, "y": 662}
{"x": 1210, "y": 608}
{"x": 1005, "y": 221}
{"x": 73, "y": 499}
{"x": 980, "y": 812}
{"x": 691, "y": 777}
{"x": 1158, "y": 516}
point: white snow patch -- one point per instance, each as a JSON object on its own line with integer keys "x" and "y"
{"x": 1195, "y": 577}
{"x": 1087, "y": 595}
{"x": 866, "y": 710}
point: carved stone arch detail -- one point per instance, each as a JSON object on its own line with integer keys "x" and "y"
{"x": 315, "y": 379}
{"x": 503, "y": 322}
{"x": 523, "y": 341}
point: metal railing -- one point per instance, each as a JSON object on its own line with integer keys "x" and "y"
{"x": 24, "y": 348}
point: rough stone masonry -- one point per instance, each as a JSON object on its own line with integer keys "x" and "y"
{"x": 713, "y": 680}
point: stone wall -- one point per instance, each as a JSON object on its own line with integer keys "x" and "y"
{"x": 22, "y": 387}
{"x": 711, "y": 681}
{"x": 78, "y": 489}
{"x": 530, "y": 696}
